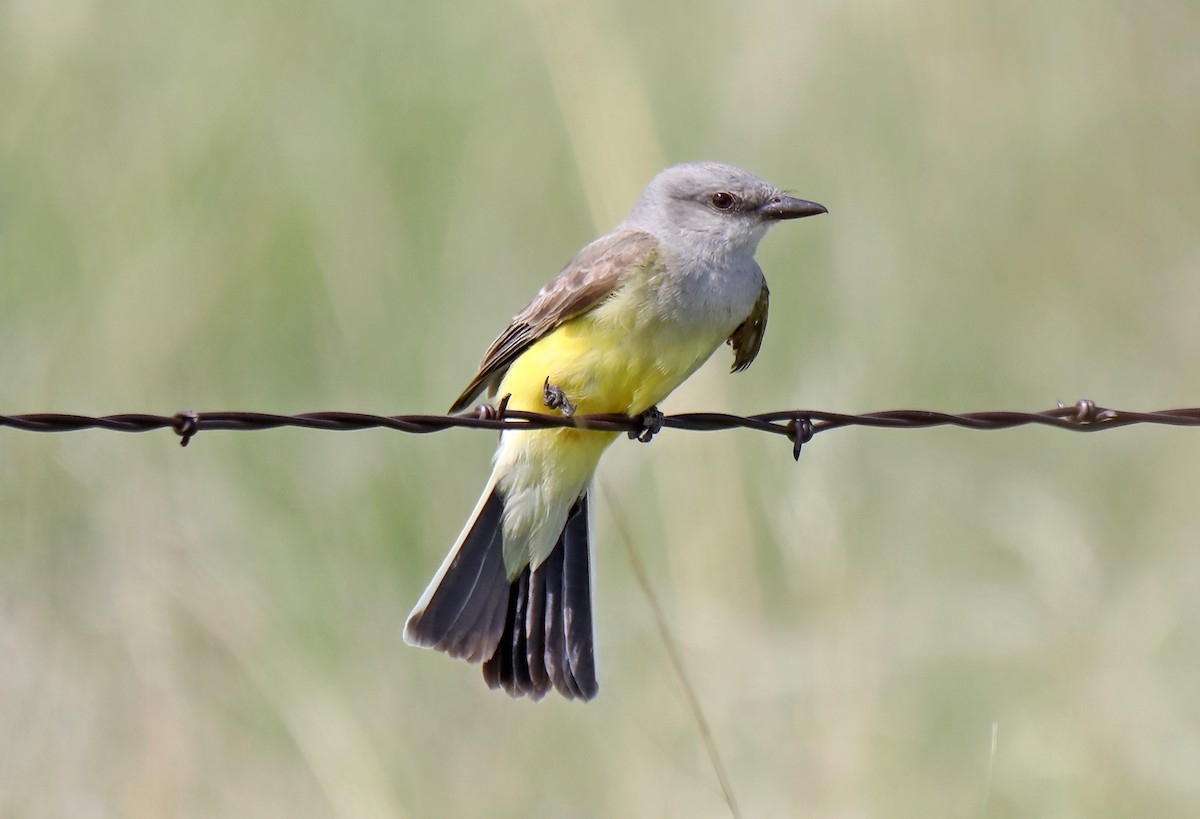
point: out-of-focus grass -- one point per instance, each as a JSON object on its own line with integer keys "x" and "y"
{"x": 289, "y": 207}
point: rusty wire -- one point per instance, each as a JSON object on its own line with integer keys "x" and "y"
{"x": 798, "y": 426}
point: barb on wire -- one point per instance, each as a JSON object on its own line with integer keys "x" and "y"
{"x": 798, "y": 426}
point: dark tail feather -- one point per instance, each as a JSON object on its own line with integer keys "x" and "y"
{"x": 463, "y": 611}
{"x": 547, "y": 638}
{"x": 577, "y": 602}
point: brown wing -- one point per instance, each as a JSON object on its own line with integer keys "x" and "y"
{"x": 595, "y": 272}
{"x": 747, "y": 338}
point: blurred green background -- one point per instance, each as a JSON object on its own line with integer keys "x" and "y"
{"x": 289, "y": 207}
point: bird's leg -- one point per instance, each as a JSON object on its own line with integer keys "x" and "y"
{"x": 650, "y": 423}
{"x": 554, "y": 398}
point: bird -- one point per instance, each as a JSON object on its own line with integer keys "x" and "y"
{"x": 624, "y": 323}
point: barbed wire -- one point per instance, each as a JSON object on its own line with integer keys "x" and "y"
{"x": 798, "y": 426}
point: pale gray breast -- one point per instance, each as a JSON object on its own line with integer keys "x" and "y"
{"x": 715, "y": 297}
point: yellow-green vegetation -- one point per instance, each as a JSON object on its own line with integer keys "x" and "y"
{"x": 296, "y": 206}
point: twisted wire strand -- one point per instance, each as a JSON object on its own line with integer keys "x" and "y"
{"x": 798, "y": 425}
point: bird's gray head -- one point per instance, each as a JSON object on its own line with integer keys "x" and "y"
{"x": 711, "y": 210}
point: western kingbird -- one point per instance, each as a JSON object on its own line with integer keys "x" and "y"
{"x": 622, "y": 325}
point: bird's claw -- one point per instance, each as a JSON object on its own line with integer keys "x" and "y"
{"x": 650, "y": 423}
{"x": 554, "y": 398}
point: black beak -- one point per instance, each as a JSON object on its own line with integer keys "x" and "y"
{"x": 786, "y": 207}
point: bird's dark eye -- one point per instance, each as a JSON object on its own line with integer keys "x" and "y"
{"x": 724, "y": 200}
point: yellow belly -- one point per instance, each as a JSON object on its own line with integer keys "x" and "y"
{"x": 604, "y": 365}
{"x": 608, "y": 360}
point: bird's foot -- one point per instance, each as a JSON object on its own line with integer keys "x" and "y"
{"x": 554, "y": 398}
{"x": 650, "y": 423}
